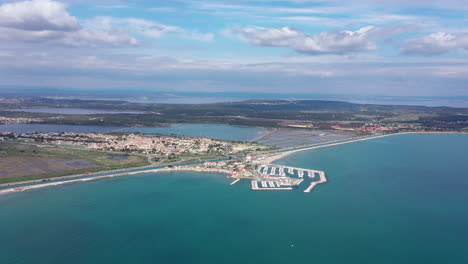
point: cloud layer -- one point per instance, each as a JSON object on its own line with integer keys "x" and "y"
{"x": 147, "y": 28}
{"x": 363, "y": 45}
{"x": 46, "y": 21}
{"x": 335, "y": 42}
{"x": 436, "y": 43}
{"x": 37, "y": 15}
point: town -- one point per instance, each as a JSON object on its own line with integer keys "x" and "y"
{"x": 239, "y": 160}
{"x": 19, "y": 120}
{"x": 136, "y": 143}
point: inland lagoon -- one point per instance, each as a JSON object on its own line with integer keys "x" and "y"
{"x": 217, "y": 131}
{"x": 75, "y": 111}
{"x": 397, "y": 199}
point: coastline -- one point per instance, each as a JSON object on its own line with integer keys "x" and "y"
{"x": 351, "y": 140}
{"x": 75, "y": 175}
{"x": 58, "y": 183}
{"x": 141, "y": 170}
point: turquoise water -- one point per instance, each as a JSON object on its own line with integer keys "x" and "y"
{"x": 398, "y": 199}
{"x": 218, "y": 131}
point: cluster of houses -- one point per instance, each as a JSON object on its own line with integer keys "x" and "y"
{"x": 129, "y": 142}
{"x": 237, "y": 169}
{"x": 13, "y": 100}
{"x": 18, "y": 120}
{"x": 160, "y": 145}
{"x": 377, "y": 127}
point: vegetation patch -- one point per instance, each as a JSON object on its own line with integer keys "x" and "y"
{"x": 20, "y": 162}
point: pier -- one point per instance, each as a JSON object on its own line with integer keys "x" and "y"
{"x": 285, "y": 171}
{"x": 235, "y": 181}
{"x": 268, "y": 186}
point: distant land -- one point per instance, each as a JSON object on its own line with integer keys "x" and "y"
{"x": 186, "y": 97}
{"x": 307, "y": 114}
{"x": 67, "y": 136}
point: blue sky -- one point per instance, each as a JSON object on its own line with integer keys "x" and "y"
{"x": 387, "y": 47}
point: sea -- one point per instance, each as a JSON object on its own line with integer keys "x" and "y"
{"x": 397, "y": 199}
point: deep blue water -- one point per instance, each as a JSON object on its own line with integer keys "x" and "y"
{"x": 399, "y": 199}
{"x": 218, "y": 131}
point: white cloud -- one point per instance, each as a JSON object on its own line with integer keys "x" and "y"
{"x": 112, "y": 6}
{"x": 37, "y": 15}
{"x": 268, "y": 9}
{"x": 94, "y": 38}
{"x": 436, "y": 43}
{"x": 336, "y": 42}
{"x": 20, "y": 35}
{"x": 46, "y": 21}
{"x": 147, "y": 28}
{"x": 156, "y": 30}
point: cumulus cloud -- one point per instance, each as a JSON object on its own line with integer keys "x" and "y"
{"x": 37, "y": 15}
{"x": 49, "y": 22}
{"x": 336, "y": 42}
{"x": 436, "y": 43}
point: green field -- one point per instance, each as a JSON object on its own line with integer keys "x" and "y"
{"x": 21, "y": 162}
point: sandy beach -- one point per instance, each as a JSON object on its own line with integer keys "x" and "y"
{"x": 50, "y": 184}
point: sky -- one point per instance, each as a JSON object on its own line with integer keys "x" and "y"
{"x": 358, "y": 47}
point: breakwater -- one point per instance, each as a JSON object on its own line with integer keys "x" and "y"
{"x": 312, "y": 185}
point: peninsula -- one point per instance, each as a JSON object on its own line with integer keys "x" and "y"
{"x": 50, "y": 158}
{"x": 255, "y": 167}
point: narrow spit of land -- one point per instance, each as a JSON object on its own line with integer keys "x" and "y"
{"x": 269, "y": 132}
{"x": 154, "y": 170}
{"x": 289, "y": 151}
{"x": 283, "y": 154}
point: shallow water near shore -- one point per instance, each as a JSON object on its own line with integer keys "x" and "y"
{"x": 398, "y": 199}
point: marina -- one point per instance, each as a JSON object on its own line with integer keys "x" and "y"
{"x": 285, "y": 171}
{"x": 277, "y": 177}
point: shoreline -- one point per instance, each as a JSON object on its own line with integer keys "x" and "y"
{"x": 115, "y": 173}
{"x": 331, "y": 144}
{"x": 58, "y": 183}
{"x": 77, "y": 175}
